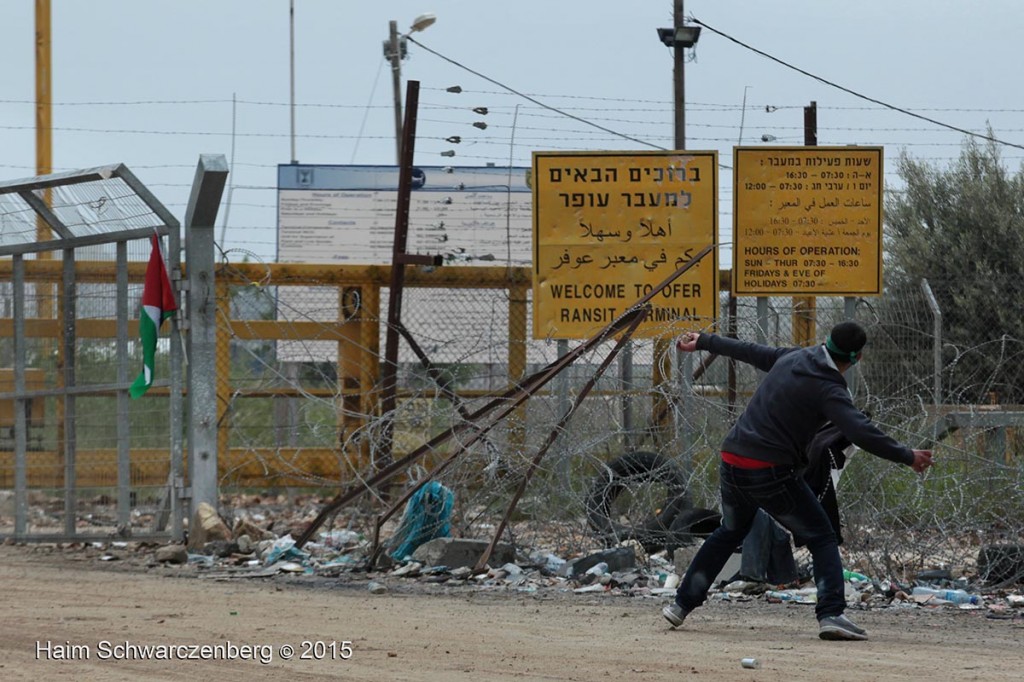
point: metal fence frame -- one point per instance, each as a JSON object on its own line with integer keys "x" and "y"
{"x": 67, "y": 242}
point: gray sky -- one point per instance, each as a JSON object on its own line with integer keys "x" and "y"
{"x": 150, "y": 84}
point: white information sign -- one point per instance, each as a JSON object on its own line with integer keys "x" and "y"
{"x": 346, "y": 214}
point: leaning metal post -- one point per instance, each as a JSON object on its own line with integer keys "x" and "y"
{"x": 623, "y": 340}
{"x": 512, "y": 399}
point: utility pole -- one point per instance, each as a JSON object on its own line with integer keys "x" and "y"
{"x": 394, "y": 52}
{"x": 679, "y": 38}
{"x": 684, "y": 361}
{"x": 44, "y": 166}
{"x": 805, "y": 307}
{"x": 679, "y": 77}
{"x": 291, "y": 58}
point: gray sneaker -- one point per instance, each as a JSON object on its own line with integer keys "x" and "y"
{"x": 840, "y": 627}
{"x": 674, "y": 614}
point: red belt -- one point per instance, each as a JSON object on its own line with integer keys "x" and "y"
{"x": 745, "y": 462}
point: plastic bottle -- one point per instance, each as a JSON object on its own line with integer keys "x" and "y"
{"x": 853, "y": 575}
{"x": 955, "y": 596}
{"x": 781, "y": 596}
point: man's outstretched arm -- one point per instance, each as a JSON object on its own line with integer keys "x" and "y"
{"x": 863, "y": 433}
{"x": 761, "y": 357}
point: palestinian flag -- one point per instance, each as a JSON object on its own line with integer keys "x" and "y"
{"x": 157, "y": 305}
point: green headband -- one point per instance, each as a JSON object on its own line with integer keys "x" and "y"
{"x": 849, "y": 356}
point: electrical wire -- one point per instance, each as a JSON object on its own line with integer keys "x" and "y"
{"x": 366, "y": 113}
{"x": 531, "y": 99}
{"x": 879, "y": 102}
{"x": 665, "y": 106}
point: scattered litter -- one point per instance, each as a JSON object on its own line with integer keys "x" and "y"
{"x": 426, "y": 516}
{"x": 462, "y": 572}
{"x": 794, "y": 596}
{"x": 284, "y": 548}
{"x": 853, "y": 576}
{"x": 411, "y": 569}
{"x": 340, "y": 539}
{"x": 590, "y": 588}
{"x": 200, "y": 559}
{"x": 548, "y": 562}
{"x": 944, "y": 596}
{"x": 621, "y": 572}
{"x": 739, "y": 586}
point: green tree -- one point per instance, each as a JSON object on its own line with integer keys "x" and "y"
{"x": 962, "y": 229}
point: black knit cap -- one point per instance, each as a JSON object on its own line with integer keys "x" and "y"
{"x": 845, "y": 341}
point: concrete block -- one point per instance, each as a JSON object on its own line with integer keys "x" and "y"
{"x": 457, "y": 552}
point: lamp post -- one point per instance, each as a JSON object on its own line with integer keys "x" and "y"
{"x": 395, "y": 51}
{"x": 679, "y": 38}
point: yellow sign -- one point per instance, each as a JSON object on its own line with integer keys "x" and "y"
{"x": 807, "y": 221}
{"x": 609, "y": 226}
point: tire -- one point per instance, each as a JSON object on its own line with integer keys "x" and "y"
{"x": 635, "y": 469}
{"x": 691, "y": 525}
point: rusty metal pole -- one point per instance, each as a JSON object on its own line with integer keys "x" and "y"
{"x": 805, "y": 307}
{"x": 399, "y": 259}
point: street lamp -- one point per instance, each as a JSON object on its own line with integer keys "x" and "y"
{"x": 683, "y": 36}
{"x": 395, "y": 50}
{"x": 679, "y": 37}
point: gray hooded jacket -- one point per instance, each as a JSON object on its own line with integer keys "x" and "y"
{"x": 798, "y": 395}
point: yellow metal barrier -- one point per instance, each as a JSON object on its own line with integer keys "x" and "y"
{"x": 356, "y": 335}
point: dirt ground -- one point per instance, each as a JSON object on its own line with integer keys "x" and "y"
{"x": 60, "y": 606}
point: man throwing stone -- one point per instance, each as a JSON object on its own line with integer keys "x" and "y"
{"x": 762, "y": 458}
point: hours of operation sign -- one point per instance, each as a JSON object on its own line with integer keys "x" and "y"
{"x": 807, "y": 221}
{"x": 609, "y": 227}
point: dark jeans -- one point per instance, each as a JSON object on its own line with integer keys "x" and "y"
{"x": 781, "y": 492}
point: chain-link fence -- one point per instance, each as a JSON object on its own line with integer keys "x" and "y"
{"x": 469, "y": 334}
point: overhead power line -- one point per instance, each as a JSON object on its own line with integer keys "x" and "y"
{"x": 531, "y": 99}
{"x": 859, "y": 95}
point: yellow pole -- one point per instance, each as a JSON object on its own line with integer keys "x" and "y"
{"x": 44, "y": 166}
{"x": 44, "y": 120}
{"x": 804, "y": 314}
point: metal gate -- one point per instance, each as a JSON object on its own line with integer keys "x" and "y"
{"x": 79, "y": 459}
